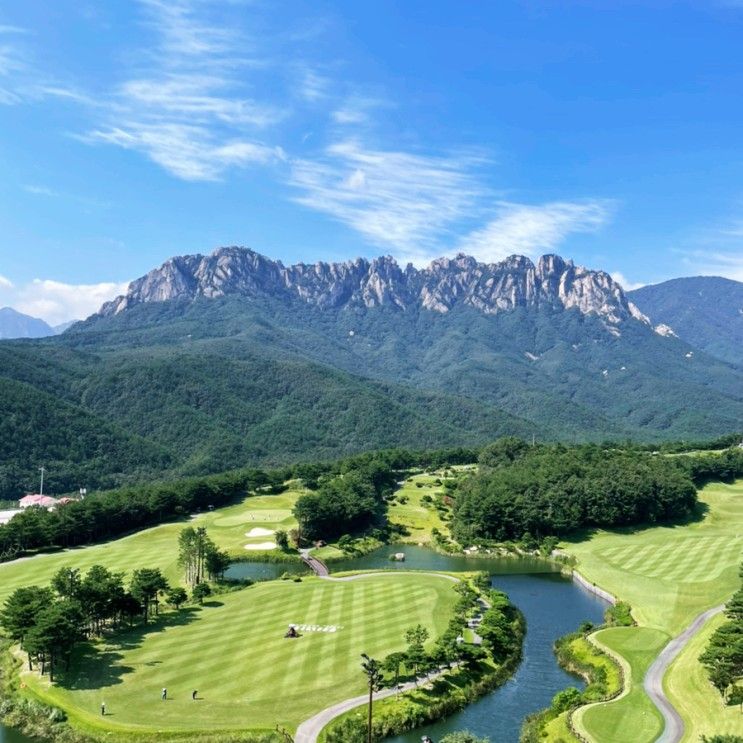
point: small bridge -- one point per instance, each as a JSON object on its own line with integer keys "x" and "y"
{"x": 318, "y": 567}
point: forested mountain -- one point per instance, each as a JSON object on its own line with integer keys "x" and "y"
{"x": 705, "y": 311}
{"x": 14, "y": 324}
{"x": 212, "y": 362}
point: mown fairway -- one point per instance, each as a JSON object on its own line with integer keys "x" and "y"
{"x": 158, "y": 547}
{"x": 669, "y": 575}
{"x": 407, "y": 509}
{"x": 234, "y": 652}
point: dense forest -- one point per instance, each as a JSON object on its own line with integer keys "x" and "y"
{"x": 555, "y": 489}
{"x": 178, "y": 389}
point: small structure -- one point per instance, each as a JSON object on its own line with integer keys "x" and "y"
{"x": 65, "y": 500}
{"x": 34, "y": 499}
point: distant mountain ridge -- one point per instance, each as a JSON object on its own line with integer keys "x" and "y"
{"x": 705, "y": 311}
{"x": 231, "y": 359}
{"x": 445, "y": 283}
{"x": 14, "y": 324}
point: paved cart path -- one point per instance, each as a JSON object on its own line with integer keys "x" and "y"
{"x": 653, "y": 681}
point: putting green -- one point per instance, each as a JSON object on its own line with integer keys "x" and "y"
{"x": 234, "y": 652}
{"x": 669, "y": 575}
{"x": 158, "y": 547}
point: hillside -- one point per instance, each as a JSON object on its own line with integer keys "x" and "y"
{"x": 231, "y": 359}
{"x": 705, "y": 311}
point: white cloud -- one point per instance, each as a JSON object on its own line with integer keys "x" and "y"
{"x": 625, "y": 283}
{"x": 186, "y": 107}
{"x": 57, "y": 302}
{"x": 394, "y": 199}
{"x": 526, "y": 229}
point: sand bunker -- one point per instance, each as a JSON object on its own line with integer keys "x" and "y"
{"x": 259, "y": 532}
{"x": 261, "y": 546}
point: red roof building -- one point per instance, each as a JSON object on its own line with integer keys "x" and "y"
{"x": 42, "y": 501}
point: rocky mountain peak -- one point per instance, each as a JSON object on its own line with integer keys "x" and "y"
{"x": 490, "y": 288}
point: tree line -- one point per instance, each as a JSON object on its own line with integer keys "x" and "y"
{"x": 723, "y": 656}
{"x": 108, "y": 514}
{"x": 554, "y": 489}
{"x": 501, "y": 631}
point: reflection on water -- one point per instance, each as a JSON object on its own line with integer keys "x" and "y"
{"x": 264, "y": 570}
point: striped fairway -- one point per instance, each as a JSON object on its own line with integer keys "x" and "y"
{"x": 669, "y": 575}
{"x": 248, "y": 675}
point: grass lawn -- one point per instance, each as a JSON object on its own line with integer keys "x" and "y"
{"x": 632, "y": 717}
{"x": 669, "y": 575}
{"x": 417, "y": 517}
{"x": 233, "y": 651}
{"x": 698, "y": 702}
{"x": 158, "y": 547}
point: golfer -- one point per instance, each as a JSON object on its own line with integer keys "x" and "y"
{"x": 103, "y": 708}
{"x": 164, "y": 695}
{"x": 193, "y": 694}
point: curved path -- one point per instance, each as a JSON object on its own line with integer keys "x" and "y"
{"x": 308, "y": 731}
{"x": 653, "y": 681}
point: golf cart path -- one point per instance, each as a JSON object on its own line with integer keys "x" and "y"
{"x": 308, "y": 731}
{"x": 653, "y": 681}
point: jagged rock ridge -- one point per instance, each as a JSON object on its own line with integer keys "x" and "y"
{"x": 446, "y": 282}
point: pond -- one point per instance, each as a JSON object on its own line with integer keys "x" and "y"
{"x": 553, "y": 606}
{"x": 264, "y": 570}
{"x": 7, "y": 735}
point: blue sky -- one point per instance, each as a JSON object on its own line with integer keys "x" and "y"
{"x": 609, "y": 132}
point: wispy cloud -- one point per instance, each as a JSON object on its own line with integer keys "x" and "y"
{"x": 58, "y": 302}
{"x": 392, "y": 198}
{"x": 716, "y": 250}
{"x": 715, "y": 263}
{"x": 527, "y": 229}
{"x": 188, "y": 109}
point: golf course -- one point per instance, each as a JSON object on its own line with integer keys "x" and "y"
{"x": 668, "y": 575}
{"x": 233, "y": 651}
{"x": 157, "y": 547}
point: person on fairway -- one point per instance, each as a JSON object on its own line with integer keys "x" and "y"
{"x": 164, "y": 695}
{"x": 193, "y": 694}
{"x": 103, "y": 708}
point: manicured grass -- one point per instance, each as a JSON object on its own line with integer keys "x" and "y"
{"x": 690, "y": 691}
{"x": 248, "y": 675}
{"x": 158, "y": 547}
{"x": 417, "y": 517}
{"x": 671, "y": 574}
{"x": 632, "y": 717}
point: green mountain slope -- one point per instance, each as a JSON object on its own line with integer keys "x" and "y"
{"x": 705, "y": 311}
